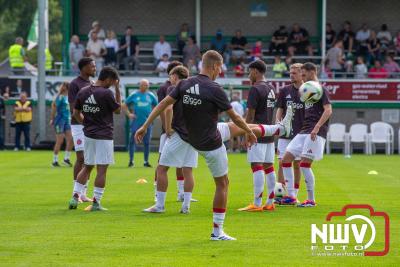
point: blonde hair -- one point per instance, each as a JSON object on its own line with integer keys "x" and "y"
{"x": 210, "y": 58}
{"x": 296, "y": 66}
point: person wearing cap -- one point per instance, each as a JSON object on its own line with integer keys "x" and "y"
{"x": 96, "y": 27}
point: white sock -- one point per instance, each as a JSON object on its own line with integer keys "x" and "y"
{"x": 78, "y": 188}
{"x": 180, "y": 184}
{"x": 272, "y": 130}
{"x": 218, "y": 221}
{"x": 258, "y": 183}
{"x": 161, "y": 199}
{"x": 309, "y": 179}
{"x": 289, "y": 178}
{"x": 67, "y": 155}
{"x": 98, "y": 194}
{"x": 84, "y": 192}
{"x": 187, "y": 196}
{"x": 271, "y": 180}
{"x": 155, "y": 188}
{"x": 55, "y": 158}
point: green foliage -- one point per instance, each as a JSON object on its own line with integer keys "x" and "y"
{"x": 16, "y": 18}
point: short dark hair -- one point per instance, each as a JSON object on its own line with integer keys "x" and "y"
{"x": 258, "y": 65}
{"x": 128, "y": 27}
{"x": 108, "y": 73}
{"x": 173, "y": 64}
{"x": 84, "y": 61}
{"x": 309, "y": 66}
{"x": 181, "y": 71}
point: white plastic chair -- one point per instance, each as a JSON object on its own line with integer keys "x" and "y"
{"x": 336, "y": 134}
{"x": 358, "y": 134}
{"x": 381, "y": 133}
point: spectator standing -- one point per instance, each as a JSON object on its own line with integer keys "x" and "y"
{"x": 17, "y": 56}
{"x": 362, "y": 38}
{"x": 279, "y": 68}
{"x": 377, "y": 71}
{"x": 138, "y": 107}
{"x": 373, "y": 48}
{"x": 23, "y": 118}
{"x": 385, "y": 38}
{"x": 96, "y": 50}
{"x": 191, "y": 51}
{"x": 347, "y": 36}
{"x": 182, "y": 37}
{"x": 279, "y": 41}
{"x": 335, "y": 60}
{"x": 299, "y": 42}
{"x": 129, "y": 49}
{"x": 96, "y": 27}
{"x": 391, "y": 67}
{"x": 76, "y": 52}
{"x": 2, "y": 121}
{"x": 112, "y": 47}
{"x": 330, "y": 36}
{"x": 238, "y": 47}
{"x": 162, "y": 66}
{"x": 360, "y": 69}
{"x": 161, "y": 48}
{"x": 256, "y": 51}
{"x": 218, "y": 44}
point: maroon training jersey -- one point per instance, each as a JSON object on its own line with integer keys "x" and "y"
{"x": 289, "y": 95}
{"x": 74, "y": 87}
{"x": 202, "y": 100}
{"x": 313, "y": 113}
{"x": 178, "y": 123}
{"x": 262, "y": 99}
{"x": 161, "y": 94}
{"x": 97, "y": 105}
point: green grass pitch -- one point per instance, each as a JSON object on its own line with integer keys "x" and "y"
{"x": 37, "y": 229}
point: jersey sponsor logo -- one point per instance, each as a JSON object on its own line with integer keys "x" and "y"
{"x": 91, "y": 100}
{"x": 194, "y": 90}
{"x": 288, "y": 96}
{"x": 90, "y": 105}
{"x": 271, "y": 94}
{"x": 188, "y": 100}
{"x": 309, "y": 105}
{"x": 294, "y": 105}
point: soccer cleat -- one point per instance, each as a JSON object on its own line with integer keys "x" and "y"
{"x": 67, "y": 162}
{"x": 130, "y": 164}
{"x": 95, "y": 207}
{"x": 84, "y": 198}
{"x": 146, "y": 164}
{"x": 287, "y": 200}
{"x": 154, "y": 209}
{"x": 222, "y": 237}
{"x": 252, "y": 208}
{"x": 185, "y": 210}
{"x": 270, "y": 207}
{"x": 307, "y": 204}
{"x": 73, "y": 203}
{"x": 286, "y": 122}
{"x": 277, "y": 200}
{"x": 55, "y": 164}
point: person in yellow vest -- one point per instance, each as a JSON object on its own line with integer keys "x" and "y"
{"x": 279, "y": 67}
{"x": 23, "y": 118}
{"x": 17, "y": 56}
{"x": 49, "y": 60}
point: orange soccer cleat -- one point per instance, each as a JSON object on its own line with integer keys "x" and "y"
{"x": 270, "y": 207}
{"x": 251, "y": 207}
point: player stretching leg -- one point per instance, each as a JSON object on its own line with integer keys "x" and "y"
{"x": 202, "y": 99}
{"x": 309, "y": 143}
{"x": 289, "y": 96}
{"x": 94, "y": 108}
{"x": 87, "y": 69}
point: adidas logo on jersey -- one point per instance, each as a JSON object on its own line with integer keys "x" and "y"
{"x": 91, "y": 100}
{"x": 88, "y": 106}
{"x": 288, "y": 96}
{"x": 271, "y": 94}
{"x": 194, "y": 90}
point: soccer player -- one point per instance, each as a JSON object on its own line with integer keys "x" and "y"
{"x": 60, "y": 118}
{"x": 289, "y": 96}
{"x": 87, "y": 68}
{"x": 176, "y": 152}
{"x": 161, "y": 94}
{"x": 94, "y": 108}
{"x": 308, "y": 143}
{"x": 261, "y": 104}
{"x": 202, "y": 100}
{"x": 140, "y": 103}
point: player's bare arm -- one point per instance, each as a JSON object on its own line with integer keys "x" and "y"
{"x": 78, "y": 116}
{"x": 324, "y": 117}
{"x": 117, "y": 97}
{"x": 279, "y": 115}
{"x": 153, "y": 115}
{"x": 53, "y": 112}
{"x": 168, "y": 120}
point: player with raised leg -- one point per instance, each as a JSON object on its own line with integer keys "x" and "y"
{"x": 94, "y": 108}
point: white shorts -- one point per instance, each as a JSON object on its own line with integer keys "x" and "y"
{"x": 177, "y": 153}
{"x": 302, "y": 145}
{"x": 263, "y": 153}
{"x": 282, "y": 145}
{"x": 98, "y": 152}
{"x": 78, "y": 137}
{"x": 217, "y": 161}
{"x": 163, "y": 138}
{"x": 223, "y": 129}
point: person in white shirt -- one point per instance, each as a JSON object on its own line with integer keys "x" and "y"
{"x": 360, "y": 69}
{"x": 362, "y": 37}
{"x": 385, "y": 37}
{"x": 160, "y": 48}
{"x": 95, "y": 49}
{"x": 112, "y": 47}
{"x": 163, "y": 65}
{"x": 96, "y": 27}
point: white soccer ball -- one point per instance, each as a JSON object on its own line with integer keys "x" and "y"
{"x": 310, "y": 92}
{"x": 279, "y": 190}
